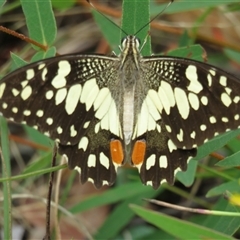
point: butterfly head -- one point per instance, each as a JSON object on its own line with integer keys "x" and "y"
{"x": 130, "y": 49}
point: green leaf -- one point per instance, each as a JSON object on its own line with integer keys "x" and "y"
{"x": 234, "y": 55}
{"x": 194, "y": 52}
{"x": 232, "y": 186}
{"x": 122, "y": 213}
{"x": 63, "y": 4}
{"x": 109, "y": 30}
{"x": 17, "y": 62}
{"x": 224, "y": 224}
{"x": 216, "y": 143}
{"x": 51, "y": 52}
{"x": 41, "y": 163}
{"x": 40, "y": 21}
{"x": 187, "y": 178}
{"x": 2, "y": 2}
{"x": 136, "y": 16}
{"x": 6, "y": 173}
{"x": 231, "y": 161}
{"x": 176, "y": 227}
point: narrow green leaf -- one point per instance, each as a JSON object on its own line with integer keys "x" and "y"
{"x": 176, "y": 227}
{"x": 41, "y": 163}
{"x": 6, "y": 173}
{"x": 232, "y": 186}
{"x": 40, "y": 20}
{"x": 135, "y": 16}
{"x": 216, "y": 143}
{"x": 235, "y": 56}
{"x": 231, "y": 161}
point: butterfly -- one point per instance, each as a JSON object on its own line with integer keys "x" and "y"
{"x": 104, "y": 111}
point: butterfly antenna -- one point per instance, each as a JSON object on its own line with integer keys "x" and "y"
{"x": 171, "y": 1}
{"x": 105, "y": 16}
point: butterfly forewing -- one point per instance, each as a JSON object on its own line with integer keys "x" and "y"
{"x": 151, "y": 111}
{"x": 197, "y": 101}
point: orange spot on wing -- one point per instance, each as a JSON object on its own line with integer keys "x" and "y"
{"x": 138, "y": 152}
{"x": 116, "y": 151}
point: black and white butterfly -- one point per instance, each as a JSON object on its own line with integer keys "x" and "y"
{"x": 105, "y": 110}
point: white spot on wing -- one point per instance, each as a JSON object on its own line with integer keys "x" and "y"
{"x": 64, "y": 68}
{"x": 26, "y": 93}
{"x": 163, "y": 163}
{"x": 104, "y": 107}
{"x": 193, "y": 135}
{"x": 15, "y": 92}
{"x": 171, "y": 145}
{"x": 226, "y": 100}
{"x": 166, "y": 95}
{"x": 73, "y": 131}
{"x": 44, "y": 73}
{"x": 89, "y": 93}
{"x": 223, "y": 81}
{"x": 204, "y": 100}
{"x": 193, "y": 100}
{"x": 14, "y": 110}
{"x": 212, "y": 119}
{"x": 49, "y": 121}
{"x": 224, "y": 119}
{"x": 209, "y": 78}
{"x": 60, "y": 95}
{"x": 49, "y": 94}
{"x": 72, "y": 98}
{"x": 30, "y": 74}
{"x": 151, "y": 161}
{"x": 86, "y": 124}
{"x": 4, "y": 105}
{"x": 203, "y": 127}
{"x": 155, "y": 99}
{"x": 236, "y": 99}
{"x": 182, "y": 102}
{"x": 191, "y": 74}
{"x": 2, "y": 88}
{"x": 59, "y": 130}
{"x": 39, "y": 113}
{"x": 180, "y": 135}
{"x": 91, "y": 160}
{"x": 152, "y": 108}
{"x": 83, "y": 143}
{"x": 26, "y": 113}
{"x": 236, "y": 117}
{"x": 104, "y": 92}
{"x": 104, "y": 160}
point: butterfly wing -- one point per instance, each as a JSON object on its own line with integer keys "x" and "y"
{"x": 68, "y": 99}
{"x": 187, "y": 103}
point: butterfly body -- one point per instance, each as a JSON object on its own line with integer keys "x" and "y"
{"x": 103, "y": 111}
